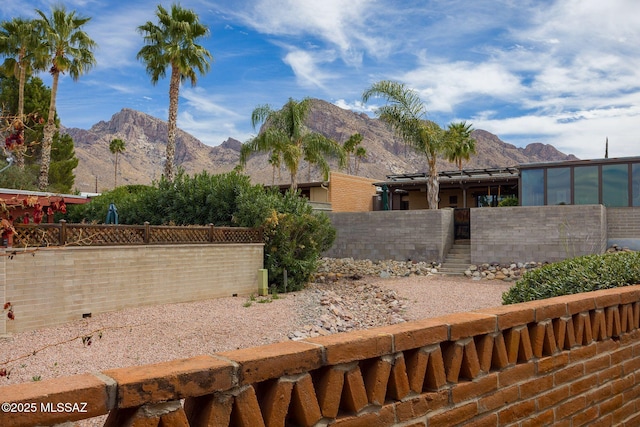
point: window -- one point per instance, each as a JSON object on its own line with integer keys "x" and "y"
{"x": 615, "y": 185}
{"x": 635, "y": 180}
{"x": 558, "y": 186}
{"x": 453, "y": 200}
{"x": 532, "y": 187}
{"x": 586, "y": 187}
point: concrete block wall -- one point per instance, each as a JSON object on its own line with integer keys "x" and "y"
{"x": 54, "y": 285}
{"x": 349, "y": 193}
{"x": 421, "y": 235}
{"x": 565, "y": 361}
{"x": 623, "y": 227}
{"x": 537, "y": 233}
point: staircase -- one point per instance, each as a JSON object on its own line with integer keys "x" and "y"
{"x": 458, "y": 258}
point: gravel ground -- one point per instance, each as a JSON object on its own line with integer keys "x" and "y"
{"x": 165, "y": 332}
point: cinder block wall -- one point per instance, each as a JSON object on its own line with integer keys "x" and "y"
{"x": 349, "y": 193}
{"x": 623, "y": 227}
{"x": 57, "y": 285}
{"x": 537, "y": 233}
{"x": 566, "y": 361}
{"x": 421, "y": 235}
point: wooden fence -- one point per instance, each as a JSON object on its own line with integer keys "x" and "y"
{"x": 64, "y": 234}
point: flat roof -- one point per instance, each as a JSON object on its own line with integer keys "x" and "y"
{"x": 466, "y": 175}
{"x": 580, "y": 162}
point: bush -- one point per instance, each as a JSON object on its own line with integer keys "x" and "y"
{"x": 509, "y": 201}
{"x": 126, "y": 198}
{"x": 572, "y": 276}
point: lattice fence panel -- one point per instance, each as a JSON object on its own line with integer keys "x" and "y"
{"x": 30, "y": 236}
{"x": 237, "y": 235}
{"x": 104, "y": 235}
{"x": 160, "y": 235}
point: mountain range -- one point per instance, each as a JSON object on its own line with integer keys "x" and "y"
{"x": 145, "y": 141}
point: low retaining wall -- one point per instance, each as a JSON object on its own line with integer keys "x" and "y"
{"x": 537, "y": 233}
{"x": 49, "y": 286}
{"x": 623, "y": 227}
{"x": 420, "y": 235}
{"x": 563, "y": 361}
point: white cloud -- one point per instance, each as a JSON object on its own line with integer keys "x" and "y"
{"x": 307, "y": 67}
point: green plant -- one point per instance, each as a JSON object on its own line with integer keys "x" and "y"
{"x": 247, "y": 304}
{"x": 509, "y": 201}
{"x": 582, "y": 274}
{"x": 36, "y": 378}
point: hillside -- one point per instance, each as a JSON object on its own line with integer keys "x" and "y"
{"x": 145, "y": 138}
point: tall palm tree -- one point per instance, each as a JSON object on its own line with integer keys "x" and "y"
{"x": 406, "y": 114}
{"x": 116, "y": 146}
{"x": 352, "y": 146}
{"x": 284, "y": 132}
{"x": 172, "y": 43}
{"x": 360, "y": 154}
{"x": 24, "y": 53}
{"x": 70, "y": 51}
{"x": 460, "y": 144}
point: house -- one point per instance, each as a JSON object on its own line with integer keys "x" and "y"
{"x": 340, "y": 193}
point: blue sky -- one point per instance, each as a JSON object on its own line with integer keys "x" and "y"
{"x": 563, "y": 72}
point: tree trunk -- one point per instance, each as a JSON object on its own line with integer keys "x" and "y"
{"x": 115, "y": 173}
{"x": 433, "y": 186}
{"x": 19, "y": 150}
{"x": 294, "y": 181}
{"x": 49, "y": 130}
{"x": 174, "y": 88}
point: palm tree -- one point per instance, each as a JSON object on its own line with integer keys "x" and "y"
{"x": 172, "y": 43}
{"x": 24, "y": 53}
{"x": 406, "y": 114}
{"x": 70, "y": 51}
{"x": 284, "y": 133}
{"x": 360, "y": 154}
{"x": 352, "y": 146}
{"x": 460, "y": 144}
{"x": 116, "y": 146}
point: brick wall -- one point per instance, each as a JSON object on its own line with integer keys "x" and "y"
{"x": 537, "y": 233}
{"x": 566, "y": 361}
{"x": 421, "y": 235}
{"x": 57, "y": 285}
{"x": 623, "y": 227}
{"x": 349, "y": 193}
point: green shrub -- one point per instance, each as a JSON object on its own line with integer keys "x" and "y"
{"x": 509, "y": 201}
{"x": 575, "y": 275}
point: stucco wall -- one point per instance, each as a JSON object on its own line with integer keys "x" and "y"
{"x": 56, "y": 285}
{"x": 349, "y": 193}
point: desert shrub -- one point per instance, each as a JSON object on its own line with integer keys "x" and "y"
{"x": 126, "y": 198}
{"x": 582, "y": 274}
{"x": 295, "y": 235}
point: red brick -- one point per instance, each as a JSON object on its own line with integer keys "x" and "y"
{"x": 584, "y": 417}
{"x": 246, "y": 411}
{"x": 275, "y": 403}
{"x": 551, "y": 363}
{"x": 138, "y": 385}
{"x": 272, "y": 361}
{"x": 470, "y": 367}
{"x": 416, "y": 362}
{"x": 398, "y": 386}
{"x": 626, "y": 318}
{"x": 582, "y": 328}
{"x": 535, "y": 386}
{"x": 614, "y": 327}
{"x": 552, "y": 397}
{"x": 473, "y": 389}
{"x": 416, "y": 334}
{"x": 516, "y": 374}
{"x": 304, "y": 408}
{"x": 73, "y": 389}
{"x": 500, "y": 398}
{"x": 489, "y": 420}
{"x": 570, "y": 407}
{"x": 356, "y": 345}
{"x": 568, "y": 374}
{"x": 544, "y": 418}
{"x": 629, "y": 294}
{"x": 329, "y": 391}
{"x": 621, "y": 355}
{"x": 621, "y": 414}
{"x": 622, "y": 384}
{"x": 599, "y": 394}
{"x": 511, "y": 315}
{"x": 580, "y": 303}
{"x": 484, "y": 347}
{"x": 376, "y": 378}
{"x": 453, "y": 416}
{"x": 517, "y": 411}
{"x": 209, "y": 410}
{"x": 436, "y": 376}
{"x": 552, "y": 308}
{"x": 583, "y": 384}
{"x": 542, "y": 339}
{"x": 412, "y": 408}
{"x": 436, "y": 399}
{"x": 633, "y": 421}
{"x": 598, "y": 325}
{"x": 382, "y": 418}
{"x": 582, "y": 353}
{"x": 354, "y": 394}
{"x": 603, "y": 421}
{"x": 631, "y": 366}
{"x": 609, "y": 374}
{"x": 597, "y": 363}
{"x": 469, "y": 325}
{"x": 499, "y": 357}
{"x": 607, "y": 297}
{"x": 452, "y": 355}
{"x": 612, "y": 404}
{"x": 632, "y": 394}
{"x": 560, "y": 326}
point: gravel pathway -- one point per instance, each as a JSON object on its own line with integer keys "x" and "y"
{"x": 165, "y": 332}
